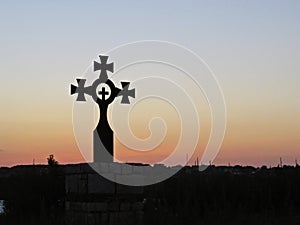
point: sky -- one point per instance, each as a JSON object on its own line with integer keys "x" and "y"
{"x": 253, "y": 47}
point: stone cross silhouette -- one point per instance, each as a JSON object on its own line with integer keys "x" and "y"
{"x": 103, "y": 91}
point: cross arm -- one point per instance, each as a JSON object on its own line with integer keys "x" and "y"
{"x": 103, "y": 66}
{"x": 126, "y": 93}
{"x": 80, "y": 90}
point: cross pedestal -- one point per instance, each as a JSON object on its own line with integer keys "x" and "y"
{"x": 103, "y": 137}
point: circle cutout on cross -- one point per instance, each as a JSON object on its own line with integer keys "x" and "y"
{"x": 103, "y": 91}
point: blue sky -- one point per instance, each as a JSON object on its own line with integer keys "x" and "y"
{"x": 252, "y": 46}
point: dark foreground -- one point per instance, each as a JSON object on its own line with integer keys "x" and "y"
{"x": 217, "y": 196}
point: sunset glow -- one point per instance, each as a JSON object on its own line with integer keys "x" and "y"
{"x": 255, "y": 59}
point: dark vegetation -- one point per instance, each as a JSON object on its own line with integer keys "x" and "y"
{"x": 52, "y": 161}
{"x": 217, "y": 196}
{"x": 33, "y": 194}
{"x": 221, "y": 196}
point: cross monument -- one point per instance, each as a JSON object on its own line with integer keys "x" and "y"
{"x": 103, "y": 91}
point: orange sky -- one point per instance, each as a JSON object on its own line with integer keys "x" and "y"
{"x": 25, "y": 137}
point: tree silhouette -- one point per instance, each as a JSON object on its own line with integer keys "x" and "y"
{"x": 51, "y": 160}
